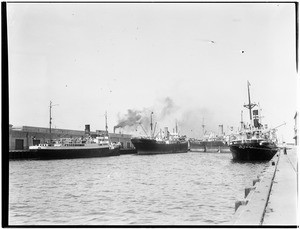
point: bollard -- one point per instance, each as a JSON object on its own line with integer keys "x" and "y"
{"x": 238, "y": 203}
{"x": 255, "y": 181}
{"x": 248, "y": 190}
{"x": 259, "y": 176}
{"x": 273, "y": 162}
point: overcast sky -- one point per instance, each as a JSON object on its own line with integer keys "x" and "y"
{"x": 190, "y": 60}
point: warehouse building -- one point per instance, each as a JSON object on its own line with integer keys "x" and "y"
{"x": 20, "y": 138}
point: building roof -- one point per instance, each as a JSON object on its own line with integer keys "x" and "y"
{"x": 64, "y": 131}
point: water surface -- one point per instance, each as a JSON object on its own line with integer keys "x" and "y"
{"x": 173, "y": 189}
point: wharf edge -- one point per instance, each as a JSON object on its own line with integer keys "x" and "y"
{"x": 272, "y": 200}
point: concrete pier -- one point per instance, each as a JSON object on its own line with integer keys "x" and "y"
{"x": 282, "y": 205}
{"x": 272, "y": 200}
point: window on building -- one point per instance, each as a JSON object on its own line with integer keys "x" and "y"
{"x": 36, "y": 142}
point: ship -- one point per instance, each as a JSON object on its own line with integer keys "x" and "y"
{"x": 162, "y": 143}
{"x": 210, "y": 143}
{"x": 70, "y": 148}
{"x": 255, "y": 141}
{"x": 82, "y": 147}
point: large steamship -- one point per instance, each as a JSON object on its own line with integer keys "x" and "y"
{"x": 69, "y": 148}
{"x": 255, "y": 142}
{"x": 161, "y": 143}
{"x": 210, "y": 142}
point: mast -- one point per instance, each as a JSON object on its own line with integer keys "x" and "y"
{"x": 203, "y": 126}
{"x": 154, "y": 128}
{"x": 50, "y": 122}
{"x": 151, "y": 124}
{"x": 106, "y": 127}
{"x": 249, "y": 105}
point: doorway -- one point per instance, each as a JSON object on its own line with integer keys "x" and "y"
{"x": 19, "y": 144}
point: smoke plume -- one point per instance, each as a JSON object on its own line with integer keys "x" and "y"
{"x": 168, "y": 108}
{"x": 132, "y": 118}
{"x": 166, "y": 113}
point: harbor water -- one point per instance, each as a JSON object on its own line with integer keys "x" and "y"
{"x": 172, "y": 189}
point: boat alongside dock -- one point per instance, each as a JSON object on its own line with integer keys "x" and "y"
{"x": 146, "y": 146}
{"x": 272, "y": 200}
{"x": 254, "y": 142}
{"x": 210, "y": 142}
{"x": 212, "y": 146}
{"x": 90, "y": 145}
{"x": 98, "y": 147}
{"x": 72, "y": 151}
{"x": 166, "y": 143}
{"x": 31, "y": 155}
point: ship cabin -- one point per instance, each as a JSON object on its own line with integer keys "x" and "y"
{"x": 255, "y": 135}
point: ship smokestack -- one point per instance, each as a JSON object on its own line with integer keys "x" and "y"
{"x": 87, "y": 129}
{"x": 221, "y": 130}
{"x": 115, "y": 127}
{"x": 166, "y": 132}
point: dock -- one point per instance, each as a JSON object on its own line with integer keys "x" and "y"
{"x": 272, "y": 198}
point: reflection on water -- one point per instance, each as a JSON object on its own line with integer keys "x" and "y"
{"x": 173, "y": 189}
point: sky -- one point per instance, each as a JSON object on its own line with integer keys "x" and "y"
{"x": 186, "y": 62}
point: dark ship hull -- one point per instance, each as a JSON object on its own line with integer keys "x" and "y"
{"x": 151, "y": 146}
{"x": 127, "y": 151}
{"x": 68, "y": 153}
{"x": 209, "y": 146}
{"x": 196, "y": 146}
{"x": 253, "y": 151}
{"x": 216, "y": 146}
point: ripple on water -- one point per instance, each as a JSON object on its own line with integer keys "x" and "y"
{"x": 178, "y": 189}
